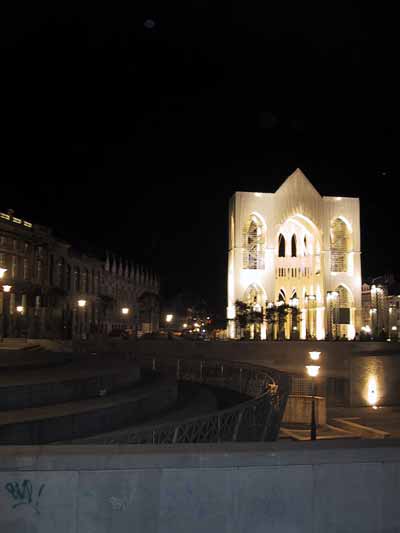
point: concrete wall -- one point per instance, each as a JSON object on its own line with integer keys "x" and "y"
{"x": 384, "y": 370}
{"x": 279, "y": 487}
{"x": 298, "y": 410}
{"x": 288, "y": 356}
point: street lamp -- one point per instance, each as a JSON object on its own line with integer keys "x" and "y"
{"x": 82, "y": 321}
{"x": 7, "y": 290}
{"x": 169, "y": 318}
{"x": 313, "y": 371}
{"x": 20, "y": 311}
{"x": 2, "y": 272}
{"x": 125, "y": 310}
{"x": 315, "y": 356}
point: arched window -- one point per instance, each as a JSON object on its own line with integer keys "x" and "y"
{"x": 60, "y": 272}
{"x": 253, "y": 245}
{"x": 254, "y": 296}
{"x": 282, "y": 296}
{"x": 282, "y": 246}
{"x": 77, "y": 280}
{"x": 294, "y": 246}
{"x": 305, "y": 245}
{"x": 342, "y": 305}
{"x": 68, "y": 277}
{"x": 340, "y": 241}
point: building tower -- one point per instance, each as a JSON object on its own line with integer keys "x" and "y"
{"x": 296, "y": 247}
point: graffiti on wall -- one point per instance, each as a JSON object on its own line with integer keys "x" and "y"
{"x": 24, "y": 493}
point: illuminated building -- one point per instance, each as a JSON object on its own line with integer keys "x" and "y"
{"x": 381, "y": 307}
{"x": 297, "y": 247}
{"x": 49, "y": 277}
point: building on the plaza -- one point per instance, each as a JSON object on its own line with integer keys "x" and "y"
{"x": 50, "y": 290}
{"x": 297, "y": 247}
{"x": 381, "y": 308}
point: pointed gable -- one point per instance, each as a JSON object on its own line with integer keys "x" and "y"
{"x": 296, "y": 196}
{"x": 298, "y": 183}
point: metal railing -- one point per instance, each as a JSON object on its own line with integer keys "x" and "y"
{"x": 257, "y": 419}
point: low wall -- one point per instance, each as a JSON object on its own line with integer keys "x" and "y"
{"x": 282, "y": 487}
{"x": 298, "y": 410}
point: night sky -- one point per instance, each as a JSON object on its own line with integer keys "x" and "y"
{"x": 130, "y": 129}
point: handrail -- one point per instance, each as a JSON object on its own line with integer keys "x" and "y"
{"x": 257, "y": 419}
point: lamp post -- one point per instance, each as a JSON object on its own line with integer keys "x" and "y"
{"x": 294, "y": 308}
{"x": 82, "y": 321}
{"x": 20, "y": 311}
{"x": 313, "y": 371}
{"x": 6, "y": 291}
{"x": 125, "y": 313}
{"x": 332, "y": 297}
{"x": 2, "y": 272}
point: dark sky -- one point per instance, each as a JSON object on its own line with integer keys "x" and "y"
{"x": 143, "y": 121}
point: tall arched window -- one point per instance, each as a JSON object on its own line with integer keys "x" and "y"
{"x": 253, "y": 245}
{"x": 342, "y": 310}
{"x": 77, "y": 280}
{"x": 340, "y": 241}
{"x": 282, "y": 296}
{"x": 85, "y": 280}
{"x": 68, "y": 277}
{"x": 294, "y": 246}
{"x": 282, "y": 246}
{"x": 60, "y": 272}
{"x": 254, "y": 296}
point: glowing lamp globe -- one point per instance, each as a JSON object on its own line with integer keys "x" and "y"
{"x": 313, "y": 370}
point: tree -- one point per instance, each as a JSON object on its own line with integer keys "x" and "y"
{"x": 296, "y": 318}
{"x": 242, "y": 315}
{"x": 282, "y": 311}
{"x": 271, "y": 318}
{"x": 256, "y": 318}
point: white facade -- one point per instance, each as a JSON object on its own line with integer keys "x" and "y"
{"x": 301, "y": 248}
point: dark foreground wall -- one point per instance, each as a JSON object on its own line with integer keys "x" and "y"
{"x": 282, "y": 487}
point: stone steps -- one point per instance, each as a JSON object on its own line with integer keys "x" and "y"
{"x": 78, "y": 419}
{"x": 77, "y": 380}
